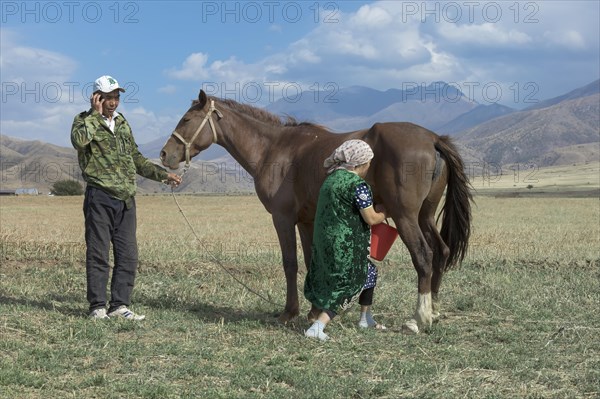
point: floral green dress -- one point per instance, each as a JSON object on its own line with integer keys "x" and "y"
{"x": 340, "y": 250}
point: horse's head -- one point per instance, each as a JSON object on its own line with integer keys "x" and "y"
{"x": 193, "y": 134}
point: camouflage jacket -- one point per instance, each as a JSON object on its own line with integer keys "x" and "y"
{"x": 108, "y": 160}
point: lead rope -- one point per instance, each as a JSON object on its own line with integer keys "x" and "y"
{"x": 213, "y": 257}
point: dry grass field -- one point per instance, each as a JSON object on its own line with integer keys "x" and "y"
{"x": 519, "y": 316}
{"x": 530, "y": 180}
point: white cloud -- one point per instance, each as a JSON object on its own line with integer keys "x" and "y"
{"x": 29, "y": 64}
{"x": 196, "y": 68}
{"x": 301, "y": 53}
{"x": 39, "y": 96}
{"x": 147, "y": 125}
{"x": 371, "y": 17}
{"x": 193, "y": 68}
{"x": 386, "y": 43}
{"x": 368, "y": 47}
{"x": 43, "y": 122}
{"x": 487, "y": 34}
{"x": 569, "y": 39}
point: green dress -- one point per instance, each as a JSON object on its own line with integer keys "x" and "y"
{"x": 340, "y": 249}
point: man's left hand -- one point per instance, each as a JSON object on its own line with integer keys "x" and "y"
{"x": 173, "y": 179}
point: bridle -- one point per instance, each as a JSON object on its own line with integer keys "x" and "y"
{"x": 188, "y": 144}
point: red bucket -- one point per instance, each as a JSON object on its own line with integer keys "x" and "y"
{"x": 382, "y": 237}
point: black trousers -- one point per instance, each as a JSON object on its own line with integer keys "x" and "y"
{"x": 365, "y": 299}
{"x": 109, "y": 221}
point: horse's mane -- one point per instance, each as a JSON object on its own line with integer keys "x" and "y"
{"x": 262, "y": 115}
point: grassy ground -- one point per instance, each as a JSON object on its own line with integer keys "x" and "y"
{"x": 581, "y": 180}
{"x": 519, "y": 317}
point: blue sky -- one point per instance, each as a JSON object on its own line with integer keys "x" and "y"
{"x": 163, "y": 52}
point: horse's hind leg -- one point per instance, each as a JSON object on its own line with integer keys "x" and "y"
{"x": 422, "y": 256}
{"x": 440, "y": 257}
{"x": 441, "y": 252}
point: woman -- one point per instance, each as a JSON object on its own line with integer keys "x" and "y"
{"x": 340, "y": 269}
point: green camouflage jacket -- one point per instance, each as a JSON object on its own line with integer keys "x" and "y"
{"x": 108, "y": 160}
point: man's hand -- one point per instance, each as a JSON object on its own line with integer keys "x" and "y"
{"x": 173, "y": 180}
{"x": 96, "y": 100}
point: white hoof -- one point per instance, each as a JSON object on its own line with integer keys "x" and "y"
{"x": 423, "y": 314}
{"x": 411, "y": 327}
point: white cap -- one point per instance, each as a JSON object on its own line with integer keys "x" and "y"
{"x": 107, "y": 84}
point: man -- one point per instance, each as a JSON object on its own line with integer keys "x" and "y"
{"x": 110, "y": 160}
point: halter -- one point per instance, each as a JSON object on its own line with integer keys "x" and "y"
{"x": 188, "y": 144}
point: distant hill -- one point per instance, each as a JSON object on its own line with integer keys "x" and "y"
{"x": 152, "y": 150}
{"x": 359, "y": 107}
{"x": 35, "y": 164}
{"x": 438, "y": 106}
{"x": 576, "y": 154}
{"x": 587, "y": 90}
{"x": 538, "y": 135}
{"x": 480, "y": 114}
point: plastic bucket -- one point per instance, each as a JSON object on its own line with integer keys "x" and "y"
{"x": 382, "y": 237}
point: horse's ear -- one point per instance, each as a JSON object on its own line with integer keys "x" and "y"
{"x": 202, "y": 98}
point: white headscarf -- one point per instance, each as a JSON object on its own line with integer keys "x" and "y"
{"x": 349, "y": 155}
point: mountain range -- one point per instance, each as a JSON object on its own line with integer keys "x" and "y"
{"x": 556, "y": 131}
{"x": 359, "y": 107}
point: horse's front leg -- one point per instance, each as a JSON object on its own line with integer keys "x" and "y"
{"x": 306, "y": 237}
{"x": 287, "y": 240}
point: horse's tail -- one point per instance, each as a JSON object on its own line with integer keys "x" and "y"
{"x": 456, "y": 221}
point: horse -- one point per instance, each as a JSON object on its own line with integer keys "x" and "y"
{"x": 411, "y": 170}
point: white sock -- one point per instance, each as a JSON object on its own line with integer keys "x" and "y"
{"x": 366, "y": 320}
{"x": 316, "y": 331}
{"x": 318, "y": 326}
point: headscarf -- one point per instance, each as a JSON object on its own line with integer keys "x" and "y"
{"x": 349, "y": 155}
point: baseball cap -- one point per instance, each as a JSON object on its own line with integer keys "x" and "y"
{"x": 106, "y": 84}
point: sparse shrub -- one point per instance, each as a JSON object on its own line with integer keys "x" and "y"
{"x": 67, "y": 187}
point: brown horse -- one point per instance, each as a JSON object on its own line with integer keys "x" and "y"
{"x": 408, "y": 175}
